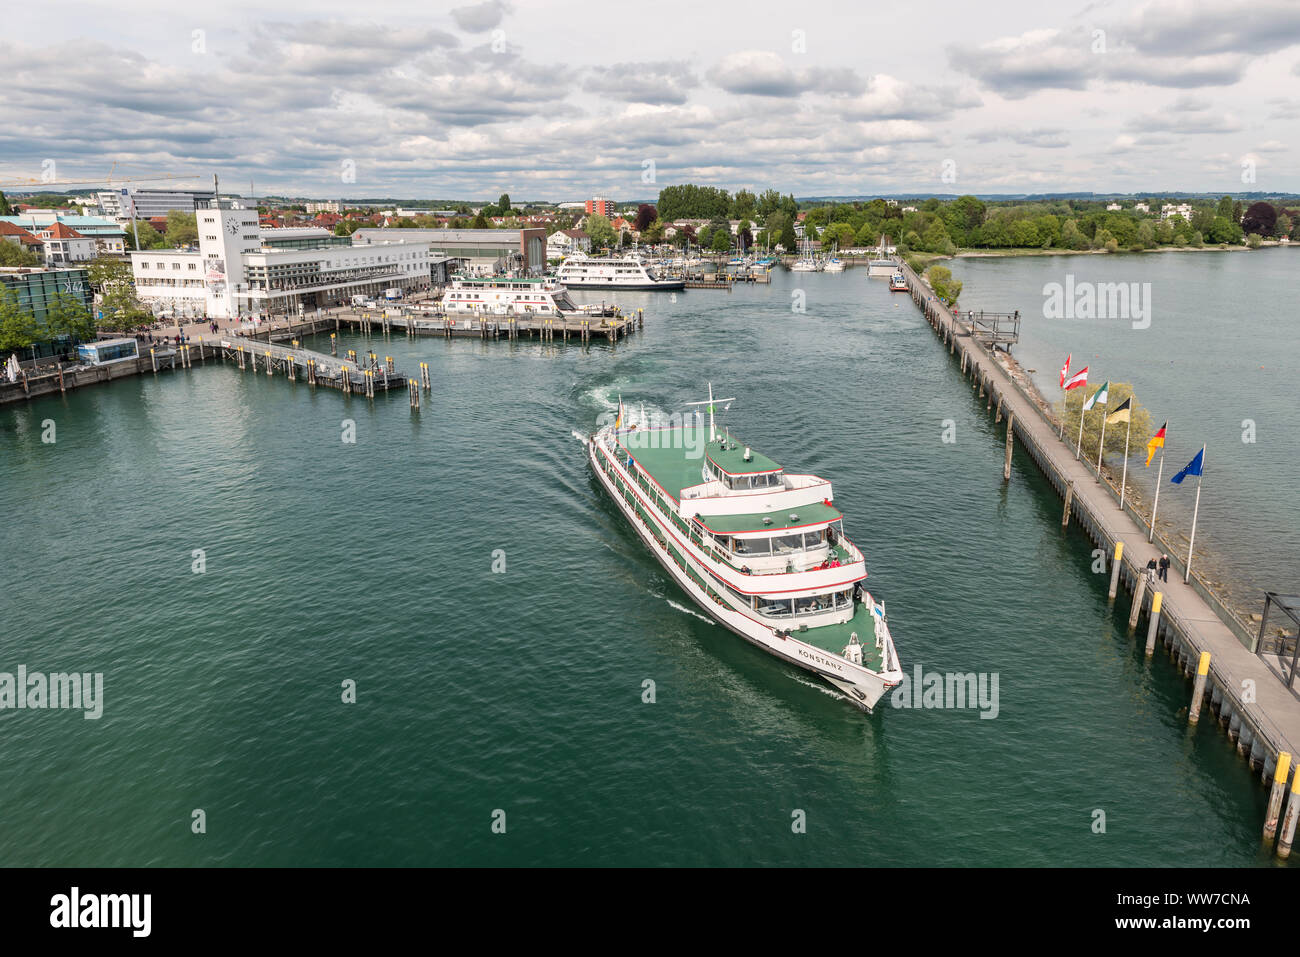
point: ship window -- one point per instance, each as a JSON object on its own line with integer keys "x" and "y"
{"x": 774, "y": 607}
{"x": 752, "y": 546}
{"x": 785, "y": 544}
{"x": 814, "y": 539}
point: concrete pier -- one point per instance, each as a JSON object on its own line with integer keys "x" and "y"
{"x": 1263, "y": 716}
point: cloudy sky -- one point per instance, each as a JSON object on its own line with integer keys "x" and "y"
{"x": 562, "y": 99}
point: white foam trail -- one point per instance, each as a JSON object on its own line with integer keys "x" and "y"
{"x": 822, "y": 687}
{"x": 689, "y": 611}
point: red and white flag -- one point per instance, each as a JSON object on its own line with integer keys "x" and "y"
{"x": 1076, "y": 380}
{"x": 1065, "y": 369}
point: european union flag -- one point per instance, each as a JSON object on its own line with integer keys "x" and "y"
{"x": 1192, "y": 468}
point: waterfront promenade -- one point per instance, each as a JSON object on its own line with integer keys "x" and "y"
{"x": 1261, "y": 714}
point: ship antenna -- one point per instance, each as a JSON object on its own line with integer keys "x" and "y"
{"x": 712, "y": 435}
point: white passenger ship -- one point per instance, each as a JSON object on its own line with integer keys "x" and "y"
{"x": 507, "y": 296}
{"x": 761, "y": 550}
{"x": 628, "y": 272}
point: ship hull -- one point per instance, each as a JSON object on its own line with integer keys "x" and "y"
{"x": 862, "y": 687}
{"x": 662, "y": 285}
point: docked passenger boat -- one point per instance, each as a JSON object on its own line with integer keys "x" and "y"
{"x": 507, "y": 296}
{"x": 761, "y": 550}
{"x": 897, "y": 283}
{"x": 627, "y": 272}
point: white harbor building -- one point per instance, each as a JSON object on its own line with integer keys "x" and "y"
{"x": 240, "y": 269}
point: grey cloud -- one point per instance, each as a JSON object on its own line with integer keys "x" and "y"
{"x": 762, "y": 73}
{"x": 1198, "y": 29}
{"x": 1043, "y": 138}
{"x": 479, "y": 17}
{"x": 654, "y": 83}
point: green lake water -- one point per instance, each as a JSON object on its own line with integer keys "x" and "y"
{"x": 521, "y": 690}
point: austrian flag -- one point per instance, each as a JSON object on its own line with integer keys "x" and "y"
{"x": 1076, "y": 380}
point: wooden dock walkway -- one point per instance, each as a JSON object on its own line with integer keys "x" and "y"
{"x": 612, "y": 327}
{"x": 1261, "y": 715}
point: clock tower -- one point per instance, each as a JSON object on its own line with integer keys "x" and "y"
{"x": 226, "y": 235}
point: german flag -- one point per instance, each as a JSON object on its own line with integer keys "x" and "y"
{"x": 1157, "y": 442}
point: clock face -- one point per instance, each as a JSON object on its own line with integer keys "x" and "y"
{"x": 233, "y": 227}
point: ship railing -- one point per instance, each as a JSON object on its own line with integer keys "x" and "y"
{"x": 802, "y": 481}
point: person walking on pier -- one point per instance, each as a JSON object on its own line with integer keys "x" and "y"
{"x": 1151, "y": 572}
{"x": 1164, "y": 568}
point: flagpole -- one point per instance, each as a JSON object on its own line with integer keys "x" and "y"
{"x": 1191, "y": 542}
{"x": 1151, "y": 534}
{"x": 1079, "y": 445}
{"x": 1123, "y": 482}
{"x": 1101, "y": 448}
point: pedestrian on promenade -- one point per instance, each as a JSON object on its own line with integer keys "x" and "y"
{"x": 1151, "y": 572}
{"x": 1164, "y": 568}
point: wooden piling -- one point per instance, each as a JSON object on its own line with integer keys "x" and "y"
{"x": 1139, "y": 591}
{"x": 1114, "y": 569}
{"x": 270, "y": 364}
{"x": 1154, "y": 624}
{"x": 998, "y": 417}
{"x": 1069, "y": 500}
{"x": 1011, "y": 438}
{"x": 1287, "y": 833}
{"x": 1198, "y": 691}
{"x": 153, "y": 359}
{"x": 1280, "y": 773}
{"x": 334, "y": 342}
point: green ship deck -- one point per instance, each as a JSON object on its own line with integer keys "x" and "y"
{"x": 814, "y": 514}
{"x": 833, "y": 638}
{"x": 674, "y": 467}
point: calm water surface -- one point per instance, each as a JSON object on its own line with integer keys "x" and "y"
{"x": 521, "y": 691}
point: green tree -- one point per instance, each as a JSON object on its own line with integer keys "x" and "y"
{"x": 789, "y": 242}
{"x": 481, "y": 220}
{"x": 1254, "y": 240}
{"x": 503, "y": 204}
{"x": 68, "y": 316}
{"x": 1224, "y": 208}
{"x": 721, "y": 240}
{"x": 654, "y": 233}
{"x": 182, "y": 228}
{"x": 18, "y": 327}
{"x": 5, "y": 208}
{"x": 15, "y": 254}
{"x": 601, "y": 231}
{"x": 944, "y": 286}
{"x": 1069, "y": 409}
{"x": 150, "y": 238}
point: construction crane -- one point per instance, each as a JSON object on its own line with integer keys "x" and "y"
{"x": 108, "y": 182}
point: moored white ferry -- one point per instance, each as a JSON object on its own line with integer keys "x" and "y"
{"x": 507, "y": 296}
{"x": 628, "y": 272}
{"x": 761, "y": 550}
